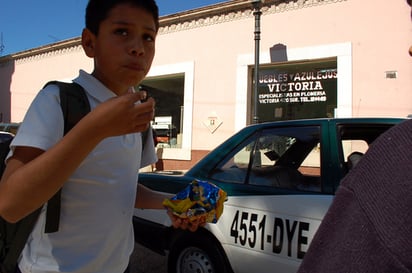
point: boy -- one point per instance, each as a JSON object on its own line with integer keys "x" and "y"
{"x": 96, "y": 163}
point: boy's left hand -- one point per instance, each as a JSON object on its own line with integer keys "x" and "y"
{"x": 185, "y": 224}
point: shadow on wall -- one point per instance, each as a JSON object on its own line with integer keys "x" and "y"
{"x": 7, "y": 67}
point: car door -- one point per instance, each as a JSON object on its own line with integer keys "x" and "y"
{"x": 278, "y": 175}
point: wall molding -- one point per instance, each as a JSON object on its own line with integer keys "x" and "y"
{"x": 231, "y": 11}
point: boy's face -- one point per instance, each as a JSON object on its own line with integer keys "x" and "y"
{"x": 124, "y": 48}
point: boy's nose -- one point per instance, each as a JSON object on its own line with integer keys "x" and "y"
{"x": 136, "y": 47}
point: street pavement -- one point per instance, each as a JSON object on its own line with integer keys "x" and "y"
{"x": 144, "y": 260}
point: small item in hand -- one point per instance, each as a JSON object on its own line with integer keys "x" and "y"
{"x": 201, "y": 200}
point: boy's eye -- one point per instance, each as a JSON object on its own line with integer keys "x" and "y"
{"x": 121, "y": 31}
{"x": 149, "y": 37}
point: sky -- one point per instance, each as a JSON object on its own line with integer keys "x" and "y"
{"x": 26, "y": 24}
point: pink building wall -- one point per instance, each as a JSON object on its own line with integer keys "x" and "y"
{"x": 30, "y": 75}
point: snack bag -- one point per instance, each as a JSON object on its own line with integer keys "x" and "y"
{"x": 200, "y": 200}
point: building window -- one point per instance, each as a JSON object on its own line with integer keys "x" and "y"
{"x": 168, "y": 92}
{"x": 174, "y": 79}
{"x": 297, "y": 90}
{"x": 341, "y": 52}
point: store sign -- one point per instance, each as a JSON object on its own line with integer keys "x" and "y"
{"x": 305, "y": 90}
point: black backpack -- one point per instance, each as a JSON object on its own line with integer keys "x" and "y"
{"x": 13, "y": 237}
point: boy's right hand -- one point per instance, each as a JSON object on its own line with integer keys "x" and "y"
{"x": 121, "y": 115}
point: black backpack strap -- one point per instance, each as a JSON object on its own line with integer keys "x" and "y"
{"x": 4, "y": 151}
{"x": 21, "y": 232}
{"x": 74, "y": 102}
{"x": 75, "y": 105}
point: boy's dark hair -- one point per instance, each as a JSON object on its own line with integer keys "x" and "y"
{"x": 98, "y": 10}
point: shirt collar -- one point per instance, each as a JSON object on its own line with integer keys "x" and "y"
{"x": 94, "y": 87}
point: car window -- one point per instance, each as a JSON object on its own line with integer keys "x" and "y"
{"x": 356, "y": 139}
{"x": 286, "y": 158}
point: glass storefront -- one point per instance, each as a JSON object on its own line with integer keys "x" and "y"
{"x": 297, "y": 90}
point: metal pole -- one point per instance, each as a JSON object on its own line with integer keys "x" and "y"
{"x": 257, "y": 13}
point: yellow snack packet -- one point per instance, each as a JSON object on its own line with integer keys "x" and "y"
{"x": 199, "y": 200}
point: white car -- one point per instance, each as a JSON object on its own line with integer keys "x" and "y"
{"x": 280, "y": 178}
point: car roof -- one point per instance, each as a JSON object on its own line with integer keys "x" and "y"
{"x": 317, "y": 121}
{"x": 374, "y": 120}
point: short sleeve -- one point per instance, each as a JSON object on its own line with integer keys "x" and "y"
{"x": 42, "y": 125}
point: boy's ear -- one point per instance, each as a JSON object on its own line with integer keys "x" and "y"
{"x": 88, "y": 40}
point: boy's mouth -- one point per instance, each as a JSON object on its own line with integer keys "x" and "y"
{"x": 135, "y": 67}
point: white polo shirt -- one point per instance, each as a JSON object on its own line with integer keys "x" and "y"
{"x": 95, "y": 232}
